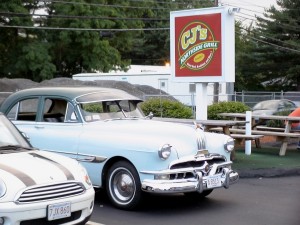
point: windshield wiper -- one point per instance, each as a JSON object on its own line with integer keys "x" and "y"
{"x": 15, "y": 147}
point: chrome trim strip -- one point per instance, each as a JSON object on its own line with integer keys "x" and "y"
{"x": 89, "y": 158}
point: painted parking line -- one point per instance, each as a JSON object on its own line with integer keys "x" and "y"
{"x": 93, "y": 223}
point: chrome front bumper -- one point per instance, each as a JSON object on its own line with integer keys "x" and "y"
{"x": 199, "y": 183}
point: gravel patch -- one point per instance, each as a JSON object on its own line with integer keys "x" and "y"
{"x": 11, "y": 85}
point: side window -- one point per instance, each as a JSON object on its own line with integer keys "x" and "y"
{"x": 281, "y": 106}
{"x": 54, "y": 110}
{"x": 71, "y": 115}
{"x": 24, "y": 110}
{"x": 289, "y": 105}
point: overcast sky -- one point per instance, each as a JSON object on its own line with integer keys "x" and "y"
{"x": 249, "y": 8}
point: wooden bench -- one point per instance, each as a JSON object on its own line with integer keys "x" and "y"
{"x": 265, "y": 128}
{"x": 243, "y": 137}
{"x": 246, "y": 137}
{"x": 240, "y": 135}
{"x": 280, "y": 135}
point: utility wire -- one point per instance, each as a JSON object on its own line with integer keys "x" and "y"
{"x": 104, "y": 5}
{"x": 273, "y": 39}
{"x": 271, "y": 44}
{"x": 281, "y": 25}
{"x": 84, "y": 29}
{"x": 81, "y": 17}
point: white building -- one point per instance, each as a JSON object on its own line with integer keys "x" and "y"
{"x": 158, "y": 77}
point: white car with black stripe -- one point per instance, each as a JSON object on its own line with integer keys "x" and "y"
{"x": 39, "y": 187}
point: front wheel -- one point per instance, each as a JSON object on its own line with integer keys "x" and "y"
{"x": 123, "y": 185}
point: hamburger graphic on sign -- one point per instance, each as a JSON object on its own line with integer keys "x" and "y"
{"x": 198, "y": 50}
{"x": 202, "y": 45}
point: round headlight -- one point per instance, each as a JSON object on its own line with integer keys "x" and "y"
{"x": 2, "y": 188}
{"x": 164, "y": 151}
{"x": 229, "y": 145}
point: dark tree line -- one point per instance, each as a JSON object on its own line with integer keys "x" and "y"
{"x": 46, "y": 39}
{"x": 83, "y": 35}
{"x": 268, "y": 54}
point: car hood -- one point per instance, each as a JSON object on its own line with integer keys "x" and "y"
{"x": 35, "y": 167}
{"x": 145, "y": 135}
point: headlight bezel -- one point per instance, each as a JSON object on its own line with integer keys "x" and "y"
{"x": 229, "y": 145}
{"x": 165, "y": 151}
{"x": 85, "y": 175}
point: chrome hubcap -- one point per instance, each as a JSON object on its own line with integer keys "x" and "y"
{"x": 123, "y": 185}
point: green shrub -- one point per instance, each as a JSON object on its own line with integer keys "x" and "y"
{"x": 278, "y": 123}
{"x": 166, "y": 108}
{"x": 225, "y": 107}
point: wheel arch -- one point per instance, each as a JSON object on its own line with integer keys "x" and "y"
{"x": 109, "y": 163}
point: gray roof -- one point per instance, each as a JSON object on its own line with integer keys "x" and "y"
{"x": 72, "y": 93}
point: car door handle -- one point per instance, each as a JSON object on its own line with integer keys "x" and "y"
{"x": 39, "y": 127}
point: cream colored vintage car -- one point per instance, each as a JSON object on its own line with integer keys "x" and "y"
{"x": 39, "y": 187}
{"x": 123, "y": 151}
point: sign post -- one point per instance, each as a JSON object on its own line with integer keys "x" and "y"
{"x": 202, "y": 50}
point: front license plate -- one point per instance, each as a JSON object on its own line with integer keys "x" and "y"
{"x": 214, "y": 181}
{"x": 58, "y": 211}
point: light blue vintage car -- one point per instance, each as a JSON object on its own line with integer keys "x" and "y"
{"x": 123, "y": 151}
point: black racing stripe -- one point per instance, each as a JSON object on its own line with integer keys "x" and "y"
{"x": 28, "y": 181}
{"x": 67, "y": 172}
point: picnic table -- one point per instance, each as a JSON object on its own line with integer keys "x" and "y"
{"x": 208, "y": 124}
{"x": 284, "y": 135}
{"x": 225, "y": 124}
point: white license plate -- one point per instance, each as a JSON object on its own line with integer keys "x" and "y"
{"x": 58, "y": 211}
{"x": 214, "y": 181}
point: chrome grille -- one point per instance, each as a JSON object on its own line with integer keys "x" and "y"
{"x": 196, "y": 163}
{"x": 204, "y": 166}
{"x": 49, "y": 192}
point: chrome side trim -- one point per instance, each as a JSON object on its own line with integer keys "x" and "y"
{"x": 89, "y": 158}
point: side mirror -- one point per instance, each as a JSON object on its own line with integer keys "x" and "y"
{"x": 150, "y": 116}
{"x": 25, "y": 136}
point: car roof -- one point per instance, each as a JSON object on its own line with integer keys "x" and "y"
{"x": 269, "y": 103}
{"x": 73, "y": 92}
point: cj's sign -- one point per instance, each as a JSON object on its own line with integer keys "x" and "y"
{"x": 202, "y": 45}
{"x": 198, "y": 49}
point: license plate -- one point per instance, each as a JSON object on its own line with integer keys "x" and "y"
{"x": 58, "y": 211}
{"x": 214, "y": 181}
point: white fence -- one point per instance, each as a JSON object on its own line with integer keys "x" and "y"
{"x": 249, "y": 98}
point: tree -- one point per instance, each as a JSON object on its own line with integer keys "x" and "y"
{"x": 78, "y": 50}
{"x": 22, "y": 54}
{"x": 247, "y": 77}
{"x": 275, "y": 48}
{"x": 152, "y": 47}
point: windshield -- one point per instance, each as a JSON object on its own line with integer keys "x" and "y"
{"x": 266, "y": 105}
{"x": 107, "y": 110}
{"x": 9, "y": 135}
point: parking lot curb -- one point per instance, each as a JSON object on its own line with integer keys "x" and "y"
{"x": 269, "y": 172}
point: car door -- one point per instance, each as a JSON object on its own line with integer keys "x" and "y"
{"x": 51, "y": 123}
